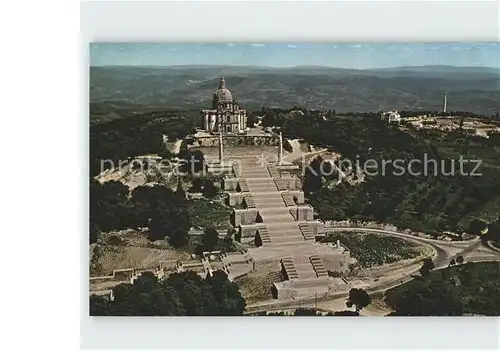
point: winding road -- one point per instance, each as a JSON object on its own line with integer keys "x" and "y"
{"x": 443, "y": 251}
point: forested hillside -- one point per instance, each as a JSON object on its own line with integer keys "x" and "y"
{"x": 435, "y": 200}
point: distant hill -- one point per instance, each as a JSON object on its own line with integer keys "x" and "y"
{"x": 474, "y": 89}
{"x": 441, "y": 69}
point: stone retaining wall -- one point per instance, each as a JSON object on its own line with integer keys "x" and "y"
{"x": 234, "y": 141}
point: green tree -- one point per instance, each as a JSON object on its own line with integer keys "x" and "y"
{"x": 180, "y": 191}
{"x": 346, "y": 313}
{"x": 305, "y": 312}
{"x": 210, "y": 239}
{"x": 179, "y": 295}
{"x": 427, "y": 267}
{"x": 269, "y": 119}
{"x": 252, "y": 120}
{"x": 426, "y": 298}
{"x": 358, "y": 298}
{"x": 477, "y": 226}
{"x": 196, "y": 185}
{"x": 98, "y": 306}
{"x": 172, "y": 221}
{"x": 313, "y": 176}
{"x": 209, "y": 188}
{"x": 94, "y": 232}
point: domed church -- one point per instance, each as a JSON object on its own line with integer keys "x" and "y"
{"x": 225, "y": 115}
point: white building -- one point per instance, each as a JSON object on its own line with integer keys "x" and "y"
{"x": 392, "y": 116}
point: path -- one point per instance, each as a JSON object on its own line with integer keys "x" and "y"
{"x": 472, "y": 250}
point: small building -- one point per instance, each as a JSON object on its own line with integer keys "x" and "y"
{"x": 391, "y": 117}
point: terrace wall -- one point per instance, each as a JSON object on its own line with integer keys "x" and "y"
{"x": 336, "y": 262}
{"x": 244, "y": 216}
{"x": 235, "y": 140}
{"x": 235, "y": 199}
{"x": 302, "y": 213}
{"x": 230, "y": 184}
{"x": 291, "y": 183}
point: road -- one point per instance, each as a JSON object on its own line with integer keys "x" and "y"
{"x": 472, "y": 250}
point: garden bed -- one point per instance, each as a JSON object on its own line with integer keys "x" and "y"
{"x": 374, "y": 250}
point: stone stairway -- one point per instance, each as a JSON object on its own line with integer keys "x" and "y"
{"x": 261, "y": 184}
{"x": 249, "y": 201}
{"x": 318, "y": 266}
{"x": 289, "y": 266}
{"x": 276, "y": 215}
{"x": 284, "y": 232}
{"x": 287, "y": 198}
{"x": 243, "y": 185}
{"x": 257, "y": 172}
{"x": 273, "y": 171}
{"x": 304, "y": 267}
{"x": 264, "y": 234}
{"x": 307, "y": 231}
{"x": 280, "y": 185}
{"x": 279, "y": 225}
{"x": 270, "y": 202}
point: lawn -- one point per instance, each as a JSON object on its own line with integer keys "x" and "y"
{"x": 375, "y": 250}
{"x": 208, "y": 213}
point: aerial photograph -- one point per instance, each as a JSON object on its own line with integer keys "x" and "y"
{"x": 294, "y": 179}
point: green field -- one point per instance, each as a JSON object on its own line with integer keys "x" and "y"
{"x": 374, "y": 250}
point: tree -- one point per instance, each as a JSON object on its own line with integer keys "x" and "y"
{"x": 477, "y": 226}
{"x": 313, "y": 176}
{"x": 427, "y": 267}
{"x": 346, "y": 313}
{"x": 460, "y": 259}
{"x": 427, "y": 298}
{"x": 231, "y": 234}
{"x": 196, "y": 185}
{"x": 305, "y": 312}
{"x": 209, "y": 188}
{"x": 358, "y": 298}
{"x": 180, "y": 294}
{"x": 210, "y": 239}
{"x": 269, "y": 119}
{"x": 251, "y": 120}
{"x": 164, "y": 212}
{"x": 94, "y": 232}
{"x": 258, "y": 240}
{"x": 227, "y": 297}
{"x": 170, "y": 220}
{"x": 109, "y": 207}
{"x": 98, "y": 306}
{"x": 180, "y": 191}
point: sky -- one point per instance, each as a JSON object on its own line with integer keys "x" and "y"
{"x": 341, "y": 55}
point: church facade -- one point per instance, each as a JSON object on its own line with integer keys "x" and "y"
{"x": 226, "y": 116}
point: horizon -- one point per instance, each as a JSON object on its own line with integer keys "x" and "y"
{"x": 355, "y": 56}
{"x": 288, "y": 67}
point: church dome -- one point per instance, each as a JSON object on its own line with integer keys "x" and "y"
{"x": 222, "y": 94}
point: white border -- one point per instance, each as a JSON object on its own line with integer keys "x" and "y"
{"x": 341, "y": 21}
{"x": 297, "y": 21}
